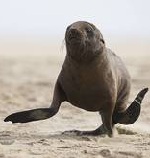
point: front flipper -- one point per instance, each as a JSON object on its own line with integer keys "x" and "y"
{"x": 41, "y": 113}
{"x": 31, "y": 115}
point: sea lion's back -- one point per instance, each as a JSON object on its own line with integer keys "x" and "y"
{"x": 122, "y": 78}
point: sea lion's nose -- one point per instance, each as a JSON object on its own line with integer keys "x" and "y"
{"x": 74, "y": 33}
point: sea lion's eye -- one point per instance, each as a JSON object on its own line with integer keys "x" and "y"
{"x": 89, "y": 31}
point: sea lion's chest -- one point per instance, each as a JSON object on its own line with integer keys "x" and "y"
{"x": 86, "y": 86}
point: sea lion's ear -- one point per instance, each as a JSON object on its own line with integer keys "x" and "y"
{"x": 94, "y": 28}
{"x": 68, "y": 28}
{"x": 101, "y": 38}
{"x": 102, "y": 41}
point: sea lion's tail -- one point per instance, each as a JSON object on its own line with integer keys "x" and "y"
{"x": 132, "y": 112}
{"x": 31, "y": 115}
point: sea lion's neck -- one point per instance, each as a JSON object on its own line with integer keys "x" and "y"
{"x": 85, "y": 57}
{"x": 96, "y": 57}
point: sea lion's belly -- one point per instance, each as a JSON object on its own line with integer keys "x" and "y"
{"x": 87, "y": 89}
{"x": 88, "y": 98}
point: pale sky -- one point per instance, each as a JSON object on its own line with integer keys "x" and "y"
{"x": 51, "y": 17}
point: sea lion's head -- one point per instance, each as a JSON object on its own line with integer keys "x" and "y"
{"x": 83, "y": 41}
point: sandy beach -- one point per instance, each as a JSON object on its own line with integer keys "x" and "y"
{"x": 27, "y": 82}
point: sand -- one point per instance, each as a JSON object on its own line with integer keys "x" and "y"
{"x": 28, "y": 82}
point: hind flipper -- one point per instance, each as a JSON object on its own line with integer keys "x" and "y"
{"x": 99, "y": 131}
{"x": 132, "y": 112}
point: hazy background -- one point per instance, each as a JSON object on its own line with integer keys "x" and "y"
{"x": 31, "y": 55}
{"x": 35, "y": 27}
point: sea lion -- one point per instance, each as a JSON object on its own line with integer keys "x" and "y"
{"x": 92, "y": 78}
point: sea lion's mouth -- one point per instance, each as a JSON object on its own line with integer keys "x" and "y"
{"x": 74, "y": 39}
